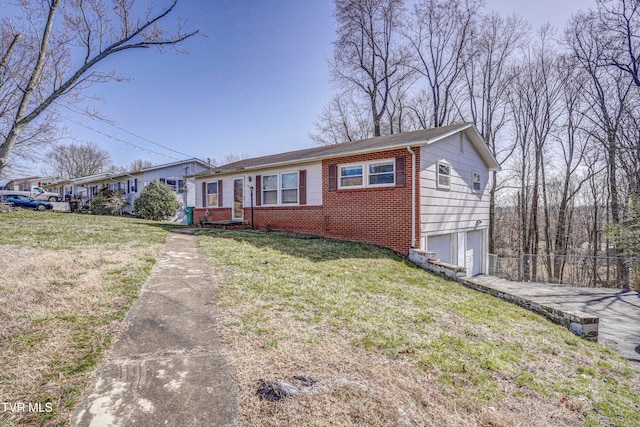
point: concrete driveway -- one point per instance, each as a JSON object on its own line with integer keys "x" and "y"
{"x": 618, "y": 309}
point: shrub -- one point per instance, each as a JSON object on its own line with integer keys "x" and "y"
{"x": 116, "y": 203}
{"x": 156, "y": 202}
{"x": 98, "y": 206}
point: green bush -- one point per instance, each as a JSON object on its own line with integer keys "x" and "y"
{"x": 156, "y": 202}
{"x": 98, "y": 206}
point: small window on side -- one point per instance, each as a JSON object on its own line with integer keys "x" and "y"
{"x": 444, "y": 175}
{"x": 476, "y": 182}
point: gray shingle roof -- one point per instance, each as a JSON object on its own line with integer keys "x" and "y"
{"x": 381, "y": 143}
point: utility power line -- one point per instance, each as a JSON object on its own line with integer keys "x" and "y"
{"x": 73, "y": 109}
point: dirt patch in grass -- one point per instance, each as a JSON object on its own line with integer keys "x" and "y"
{"x": 394, "y": 345}
{"x": 67, "y": 282}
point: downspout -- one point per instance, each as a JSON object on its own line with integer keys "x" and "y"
{"x": 413, "y": 197}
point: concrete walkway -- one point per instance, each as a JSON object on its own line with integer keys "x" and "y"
{"x": 167, "y": 369}
{"x": 618, "y": 309}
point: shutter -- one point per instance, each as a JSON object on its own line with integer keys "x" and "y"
{"x": 302, "y": 186}
{"x": 258, "y": 190}
{"x": 401, "y": 162}
{"x": 333, "y": 177}
{"x": 219, "y": 193}
{"x": 204, "y": 194}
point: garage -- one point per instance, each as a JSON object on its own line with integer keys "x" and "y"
{"x": 442, "y": 246}
{"x": 473, "y": 262}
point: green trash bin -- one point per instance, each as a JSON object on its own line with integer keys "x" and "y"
{"x": 189, "y": 215}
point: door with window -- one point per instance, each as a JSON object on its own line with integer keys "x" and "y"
{"x": 238, "y": 199}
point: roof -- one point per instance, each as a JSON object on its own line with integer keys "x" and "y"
{"x": 381, "y": 143}
{"x": 179, "y": 162}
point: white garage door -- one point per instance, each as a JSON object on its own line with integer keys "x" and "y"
{"x": 474, "y": 253}
{"x": 441, "y": 245}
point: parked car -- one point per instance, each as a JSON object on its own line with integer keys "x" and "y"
{"x": 26, "y": 202}
{"x": 36, "y": 192}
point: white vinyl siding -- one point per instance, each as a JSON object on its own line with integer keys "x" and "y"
{"x": 456, "y": 208}
{"x": 314, "y": 183}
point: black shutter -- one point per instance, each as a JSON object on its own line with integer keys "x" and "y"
{"x": 401, "y": 179}
{"x": 333, "y": 177}
{"x": 219, "y": 193}
{"x": 204, "y": 194}
{"x": 302, "y": 186}
{"x": 258, "y": 190}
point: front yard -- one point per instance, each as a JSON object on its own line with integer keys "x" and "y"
{"x": 389, "y": 344}
{"x": 393, "y": 345}
{"x": 66, "y": 283}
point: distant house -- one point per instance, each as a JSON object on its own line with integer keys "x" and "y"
{"x": 25, "y": 184}
{"x": 132, "y": 183}
{"x": 426, "y": 189}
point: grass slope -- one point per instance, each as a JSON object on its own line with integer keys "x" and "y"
{"x": 395, "y": 345}
{"x": 66, "y": 283}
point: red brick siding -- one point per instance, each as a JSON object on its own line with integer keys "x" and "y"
{"x": 215, "y": 214}
{"x": 374, "y": 215}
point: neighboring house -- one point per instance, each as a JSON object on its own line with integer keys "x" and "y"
{"x": 132, "y": 183}
{"x": 25, "y": 184}
{"x": 426, "y": 189}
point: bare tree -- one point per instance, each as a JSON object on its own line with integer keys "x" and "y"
{"x": 618, "y": 22}
{"x": 608, "y": 95}
{"x": 78, "y": 160}
{"x": 439, "y": 34}
{"x": 487, "y": 80}
{"x": 368, "y": 60}
{"x": 535, "y": 100}
{"x": 138, "y": 165}
{"x": 340, "y": 121}
{"x": 39, "y": 52}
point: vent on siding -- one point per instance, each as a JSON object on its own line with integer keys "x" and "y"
{"x": 461, "y": 135}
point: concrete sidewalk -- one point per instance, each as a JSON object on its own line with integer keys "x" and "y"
{"x": 618, "y": 309}
{"x": 167, "y": 369}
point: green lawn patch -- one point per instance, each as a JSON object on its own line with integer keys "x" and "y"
{"x": 354, "y": 312}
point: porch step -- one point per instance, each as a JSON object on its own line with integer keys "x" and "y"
{"x": 226, "y": 225}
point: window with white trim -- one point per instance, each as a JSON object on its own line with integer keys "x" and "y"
{"x": 351, "y": 176}
{"x": 475, "y": 178}
{"x": 382, "y": 173}
{"x": 212, "y": 194}
{"x": 444, "y": 175}
{"x": 378, "y": 173}
{"x": 289, "y": 185}
{"x": 269, "y": 189}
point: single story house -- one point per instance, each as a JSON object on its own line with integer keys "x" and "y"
{"x": 427, "y": 189}
{"x": 131, "y": 184}
{"x": 25, "y": 184}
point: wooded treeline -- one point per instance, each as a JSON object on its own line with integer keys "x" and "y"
{"x": 559, "y": 109}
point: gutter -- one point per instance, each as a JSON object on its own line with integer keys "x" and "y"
{"x": 413, "y": 197}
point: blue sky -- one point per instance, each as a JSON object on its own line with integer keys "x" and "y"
{"x": 254, "y": 83}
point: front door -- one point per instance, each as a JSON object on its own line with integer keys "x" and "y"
{"x": 238, "y": 199}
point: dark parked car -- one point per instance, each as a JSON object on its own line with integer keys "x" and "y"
{"x": 26, "y": 202}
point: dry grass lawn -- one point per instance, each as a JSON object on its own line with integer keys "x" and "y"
{"x": 393, "y": 345}
{"x": 66, "y": 283}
